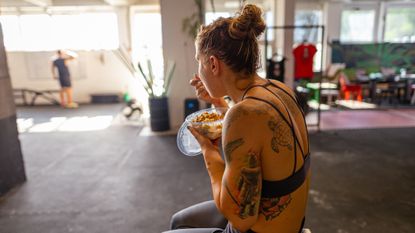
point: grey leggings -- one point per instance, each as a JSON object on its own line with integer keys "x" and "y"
{"x": 200, "y": 218}
{"x": 204, "y": 218}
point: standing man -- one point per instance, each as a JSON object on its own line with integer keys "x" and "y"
{"x": 60, "y": 63}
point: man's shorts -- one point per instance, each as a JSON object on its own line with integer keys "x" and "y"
{"x": 65, "y": 81}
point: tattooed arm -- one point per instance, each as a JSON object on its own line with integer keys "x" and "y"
{"x": 236, "y": 187}
{"x": 241, "y": 182}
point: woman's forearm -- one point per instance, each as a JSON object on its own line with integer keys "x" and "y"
{"x": 215, "y": 167}
{"x": 220, "y": 102}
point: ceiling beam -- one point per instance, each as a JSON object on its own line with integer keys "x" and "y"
{"x": 40, "y": 3}
{"x": 118, "y": 2}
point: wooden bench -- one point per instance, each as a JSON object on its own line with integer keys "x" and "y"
{"x": 24, "y": 94}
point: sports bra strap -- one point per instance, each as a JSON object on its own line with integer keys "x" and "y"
{"x": 272, "y": 189}
{"x": 294, "y": 98}
{"x": 292, "y": 125}
{"x": 279, "y": 188}
{"x": 258, "y": 85}
{"x": 288, "y": 123}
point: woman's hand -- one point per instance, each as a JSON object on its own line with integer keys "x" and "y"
{"x": 203, "y": 94}
{"x": 205, "y": 143}
{"x": 200, "y": 89}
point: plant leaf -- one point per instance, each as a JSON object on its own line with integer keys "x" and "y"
{"x": 168, "y": 76}
{"x": 150, "y": 72}
{"x": 124, "y": 60}
{"x": 147, "y": 80}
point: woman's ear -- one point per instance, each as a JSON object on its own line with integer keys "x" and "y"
{"x": 214, "y": 64}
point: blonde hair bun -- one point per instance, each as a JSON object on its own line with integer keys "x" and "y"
{"x": 248, "y": 22}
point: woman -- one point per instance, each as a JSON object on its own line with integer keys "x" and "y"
{"x": 261, "y": 185}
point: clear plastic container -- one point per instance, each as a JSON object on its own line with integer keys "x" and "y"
{"x": 207, "y": 122}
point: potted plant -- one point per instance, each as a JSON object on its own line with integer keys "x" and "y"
{"x": 156, "y": 89}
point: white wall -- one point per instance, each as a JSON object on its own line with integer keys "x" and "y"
{"x": 285, "y": 15}
{"x": 179, "y": 47}
{"x": 309, "y": 5}
{"x": 92, "y": 72}
{"x": 332, "y": 20}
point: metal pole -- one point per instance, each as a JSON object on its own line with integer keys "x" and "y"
{"x": 321, "y": 79}
{"x": 322, "y": 49}
{"x": 266, "y": 50}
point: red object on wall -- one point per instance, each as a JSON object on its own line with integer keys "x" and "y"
{"x": 303, "y": 56}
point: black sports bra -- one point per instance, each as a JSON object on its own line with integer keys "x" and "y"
{"x": 279, "y": 188}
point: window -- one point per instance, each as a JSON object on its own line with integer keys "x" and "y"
{"x": 311, "y": 35}
{"x": 210, "y": 16}
{"x": 36, "y": 33}
{"x": 147, "y": 44}
{"x": 400, "y": 25}
{"x": 229, "y": 8}
{"x": 304, "y": 17}
{"x": 357, "y": 25}
{"x": 42, "y": 32}
{"x": 11, "y": 32}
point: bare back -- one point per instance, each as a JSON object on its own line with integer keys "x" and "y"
{"x": 280, "y": 136}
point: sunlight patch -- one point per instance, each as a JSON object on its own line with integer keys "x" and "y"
{"x": 64, "y": 124}
{"x": 84, "y": 123}
{"x": 46, "y": 127}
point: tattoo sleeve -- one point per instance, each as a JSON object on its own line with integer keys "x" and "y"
{"x": 273, "y": 207}
{"x": 247, "y": 187}
{"x": 231, "y": 146}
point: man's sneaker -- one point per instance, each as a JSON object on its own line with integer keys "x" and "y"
{"x": 72, "y": 105}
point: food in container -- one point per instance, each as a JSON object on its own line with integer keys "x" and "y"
{"x": 209, "y": 122}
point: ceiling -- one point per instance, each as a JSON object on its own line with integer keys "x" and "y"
{"x": 45, "y": 3}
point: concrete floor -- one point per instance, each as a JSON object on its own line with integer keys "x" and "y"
{"x": 111, "y": 179}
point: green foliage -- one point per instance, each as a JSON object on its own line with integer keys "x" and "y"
{"x": 350, "y": 73}
{"x": 191, "y": 24}
{"x": 371, "y": 57}
{"x": 372, "y": 69}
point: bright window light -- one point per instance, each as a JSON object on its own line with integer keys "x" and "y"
{"x": 42, "y": 32}
{"x": 11, "y": 32}
{"x": 210, "y": 16}
{"x": 357, "y": 26}
{"x": 400, "y": 25}
{"x": 308, "y": 17}
{"x": 36, "y": 32}
{"x": 147, "y": 44}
